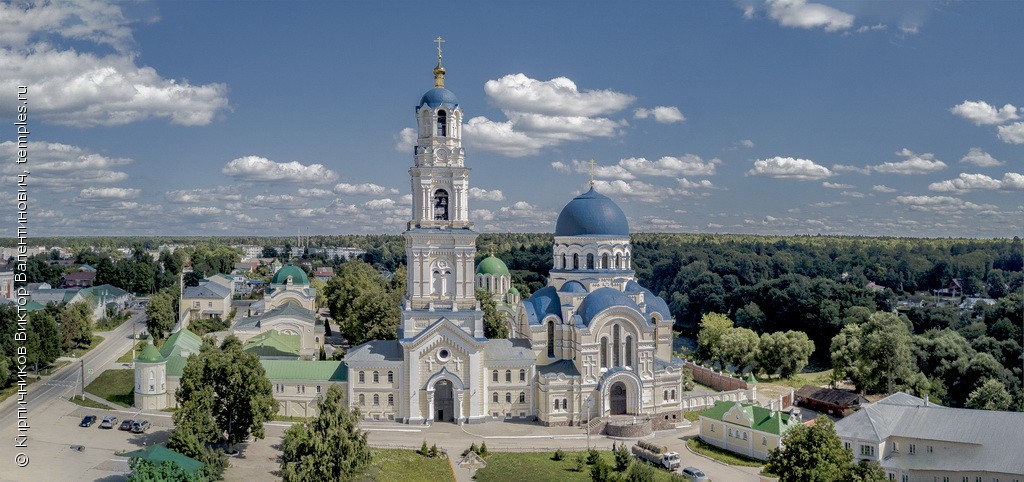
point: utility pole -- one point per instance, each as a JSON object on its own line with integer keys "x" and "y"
{"x": 83, "y": 377}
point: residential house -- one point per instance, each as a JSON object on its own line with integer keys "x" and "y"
{"x": 746, "y": 428}
{"x": 78, "y": 279}
{"x": 839, "y": 403}
{"x": 915, "y": 440}
{"x": 211, "y": 298}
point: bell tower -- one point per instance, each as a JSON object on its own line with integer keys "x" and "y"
{"x": 440, "y": 244}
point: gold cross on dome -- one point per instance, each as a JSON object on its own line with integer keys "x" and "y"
{"x": 439, "y": 40}
{"x": 592, "y": 172}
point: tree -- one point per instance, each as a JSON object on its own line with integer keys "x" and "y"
{"x": 876, "y": 355}
{"x": 810, "y": 453}
{"x": 622, "y": 457}
{"x": 785, "y": 353}
{"x": 750, "y": 316}
{"x": 494, "y": 324}
{"x": 44, "y": 337}
{"x": 712, "y": 327}
{"x": 242, "y": 396}
{"x": 146, "y": 471}
{"x": 160, "y": 313}
{"x": 867, "y": 471}
{"x": 991, "y": 395}
{"x": 329, "y": 447}
{"x": 75, "y": 325}
{"x": 738, "y": 347}
{"x": 600, "y": 471}
{"x": 639, "y": 471}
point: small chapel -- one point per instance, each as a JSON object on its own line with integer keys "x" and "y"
{"x": 593, "y": 343}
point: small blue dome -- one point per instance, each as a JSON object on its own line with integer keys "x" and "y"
{"x": 592, "y": 214}
{"x": 601, "y": 299}
{"x": 437, "y": 96}
{"x": 543, "y": 303}
{"x": 633, "y": 287}
{"x": 574, "y": 287}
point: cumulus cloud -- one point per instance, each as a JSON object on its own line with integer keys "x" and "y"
{"x": 380, "y": 203}
{"x": 789, "y": 168}
{"x": 61, "y": 166}
{"x": 556, "y": 97}
{"x": 104, "y": 193}
{"x": 600, "y": 171}
{"x": 882, "y": 188}
{"x": 476, "y": 193}
{"x": 201, "y": 211}
{"x": 364, "y": 188}
{"x": 835, "y": 185}
{"x": 276, "y": 201}
{"x": 662, "y": 114}
{"x": 747, "y": 143}
{"x": 802, "y": 14}
{"x": 639, "y": 190}
{"x": 980, "y": 158}
{"x": 688, "y": 184}
{"x": 1012, "y": 134}
{"x": 500, "y": 137}
{"x": 255, "y": 168}
{"x": 686, "y": 165}
{"x": 1011, "y": 181}
{"x": 940, "y": 204}
{"x": 314, "y": 192}
{"x": 915, "y": 164}
{"x": 83, "y": 89}
{"x": 982, "y": 113}
{"x": 205, "y": 195}
{"x": 405, "y": 140}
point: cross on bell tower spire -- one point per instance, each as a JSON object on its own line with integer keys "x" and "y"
{"x": 591, "y": 173}
{"x": 439, "y": 70}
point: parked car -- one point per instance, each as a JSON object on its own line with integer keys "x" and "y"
{"x": 126, "y": 425}
{"x": 108, "y": 422}
{"x": 140, "y": 426}
{"x": 88, "y": 421}
{"x": 695, "y": 475}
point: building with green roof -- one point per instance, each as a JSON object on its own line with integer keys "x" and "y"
{"x": 150, "y": 378}
{"x": 746, "y": 428}
{"x": 158, "y": 454}
{"x": 273, "y": 345}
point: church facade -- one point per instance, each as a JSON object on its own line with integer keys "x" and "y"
{"x": 592, "y": 343}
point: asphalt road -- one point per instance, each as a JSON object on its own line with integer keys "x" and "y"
{"x": 67, "y": 380}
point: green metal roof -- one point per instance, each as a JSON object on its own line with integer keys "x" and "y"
{"x": 272, "y": 343}
{"x": 764, "y": 420}
{"x": 34, "y": 306}
{"x": 298, "y": 276}
{"x": 159, "y": 454}
{"x": 175, "y": 365}
{"x": 149, "y": 354}
{"x": 181, "y": 341}
{"x": 493, "y": 266}
{"x": 309, "y": 370}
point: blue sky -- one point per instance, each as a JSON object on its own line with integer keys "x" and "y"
{"x": 265, "y": 118}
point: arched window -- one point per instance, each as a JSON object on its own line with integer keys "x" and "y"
{"x": 665, "y": 397}
{"x": 604, "y": 261}
{"x": 362, "y": 399}
{"x": 590, "y": 260}
{"x": 522, "y": 375}
{"x": 376, "y": 399}
{"x": 673, "y": 394}
{"x": 391, "y": 377}
{"x": 522, "y": 397}
{"x": 764, "y": 440}
{"x": 565, "y": 404}
{"x": 508, "y": 376}
{"x": 575, "y": 261}
{"x": 604, "y": 352}
{"x": 495, "y": 397}
{"x": 551, "y": 339}
{"x": 563, "y": 261}
{"x": 362, "y": 377}
{"x": 629, "y": 351}
{"x": 556, "y": 404}
{"x": 152, "y": 381}
{"x": 508, "y": 397}
{"x": 441, "y": 205}
{"x": 376, "y": 377}
{"x": 494, "y": 376}
{"x": 442, "y": 123}
{"x": 616, "y": 346}
{"x": 391, "y": 400}
{"x": 618, "y": 261}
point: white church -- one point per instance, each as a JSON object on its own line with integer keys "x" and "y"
{"x": 592, "y": 343}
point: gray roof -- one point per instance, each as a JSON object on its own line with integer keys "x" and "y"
{"x": 207, "y": 290}
{"x": 56, "y": 296}
{"x": 289, "y": 309}
{"x": 991, "y": 439}
{"x": 674, "y": 363}
{"x": 375, "y": 351}
{"x": 517, "y": 350}
{"x": 560, "y": 367}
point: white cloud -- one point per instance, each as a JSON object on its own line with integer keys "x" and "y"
{"x": 789, "y": 168}
{"x": 915, "y": 164}
{"x": 1012, "y": 134}
{"x": 380, "y": 203}
{"x": 882, "y": 188}
{"x": 853, "y": 194}
{"x": 828, "y": 204}
{"x": 940, "y": 204}
{"x": 60, "y": 166}
{"x": 981, "y": 113}
{"x": 980, "y": 158}
{"x": 686, "y": 165}
{"x": 849, "y": 168}
{"x": 218, "y": 193}
{"x": 405, "y": 140}
{"x": 255, "y": 168}
{"x": 555, "y": 97}
{"x": 869, "y": 28}
{"x": 635, "y": 189}
{"x": 801, "y": 14}
{"x": 747, "y": 143}
{"x": 476, "y": 193}
{"x": 314, "y": 192}
{"x": 500, "y": 137}
{"x": 100, "y": 193}
{"x": 662, "y": 114}
{"x": 364, "y": 188}
{"x": 83, "y": 89}
{"x": 563, "y": 128}
{"x": 273, "y": 201}
{"x": 201, "y": 211}
{"x": 600, "y": 171}
{"x": 1011, "y": 181}
{"x": 688, "y": 184}
{"x": 835, "y": 185}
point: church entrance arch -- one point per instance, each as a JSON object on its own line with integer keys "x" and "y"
{"x": 444, "y": 401}
{"x": 617, "y": 399}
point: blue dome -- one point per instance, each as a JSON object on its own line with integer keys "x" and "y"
{"x": 437, "y": 96}
{"x": 592, "y": 214}
{"x": 543, "y": 303}
{"x": 574, "y": 287}
{"x": 633, "y": 287}
{"x": 601, "y": 299}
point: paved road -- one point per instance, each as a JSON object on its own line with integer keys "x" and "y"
{"x": 66, "y": 381}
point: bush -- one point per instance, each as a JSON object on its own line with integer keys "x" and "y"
{"x": 622, "y": 457}
{"x": 559, "y": 455}
{"x": 600, "y": 471}
{"x": 483, "y": 449}
{"x": 472, "y": 448}
{"x": 593, "y": 456}
{"x": 580, "y": 462}
{"x": 424, "y": 451}
{"x": 433, "y": 451}
{"x": 640, "y": 472}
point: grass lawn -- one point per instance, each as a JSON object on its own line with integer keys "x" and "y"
{"x": 78, "y": 352}
{"x": 800, "y": 379}
{"x": 11, "y": 390}
{"x": 693, "y": 415}
{"x": 88, "y": 402}
{"x": 701, "y": 447}
{"x": 118, "y": 386}
{"x": 127, "y": 357}
{"x": 399, "y": 465}
{"x": 57, "y": 365}
{"x": 538, "y": 466}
